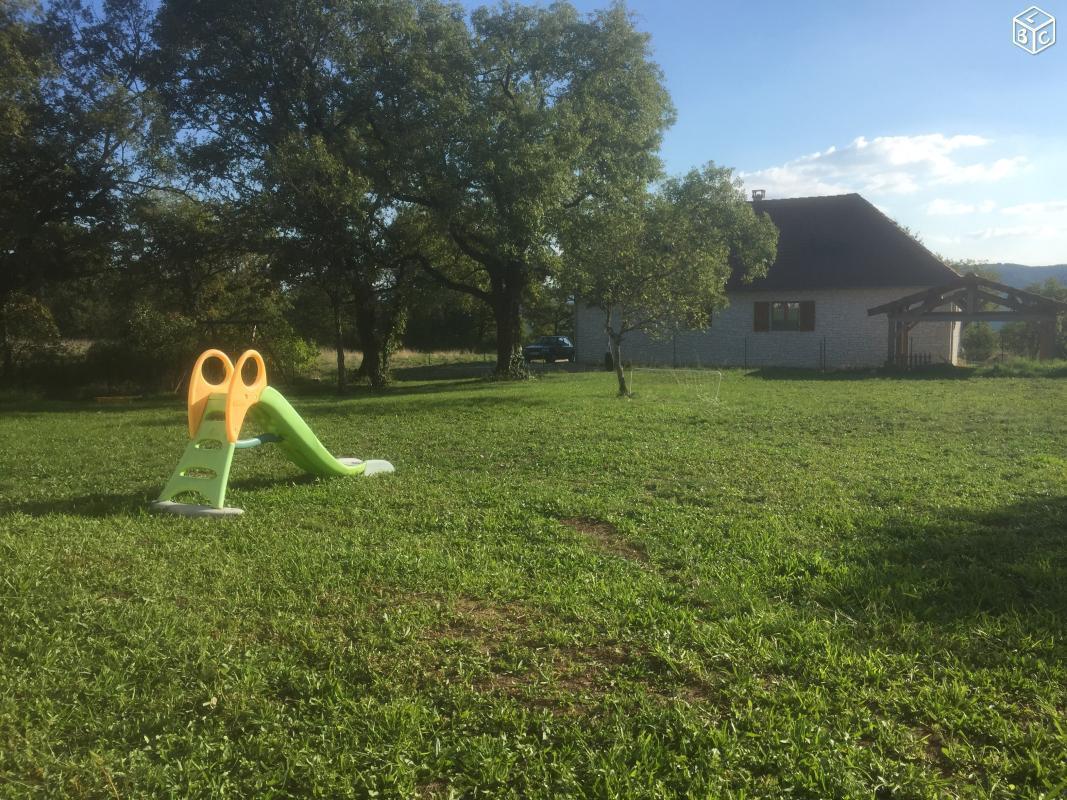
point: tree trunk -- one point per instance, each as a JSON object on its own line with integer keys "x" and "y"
{"x": 339, "y": 343}
{"x": 372, "y": 367}
{"x": 374, "y": 324}
{"x": 507, "y": 300}
{"x": 7, "y": 363}
{"x": 483, "y": 328}
{"x": 615, "y": 342}
{"x": 508, "y": 319}
{"x": 508, "y": 280}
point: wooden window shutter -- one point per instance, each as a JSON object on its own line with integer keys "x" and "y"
{"x": 807, "y": 315}
{"x": 761, "y": 316}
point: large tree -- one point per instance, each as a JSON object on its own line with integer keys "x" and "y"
{"x": 23, "y": 62}
{"x": 321, "y": 216}
{"x": 272, "y": 99}
{"x": 332, "y": 231}
{"x": 75, "y": 126}
{"x": 502, "y": 128}
{"x": 659, "y": 261}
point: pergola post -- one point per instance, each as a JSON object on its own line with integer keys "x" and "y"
{"x": 897, "y": 351}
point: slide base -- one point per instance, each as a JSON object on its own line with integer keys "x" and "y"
{"x": 193, "y": 510}
{"x": 374, "y": 466}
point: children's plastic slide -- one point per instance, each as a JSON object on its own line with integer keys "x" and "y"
{"x": 216, "y": 414}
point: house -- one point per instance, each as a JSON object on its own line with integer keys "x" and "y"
{"x": 838, "y": 256}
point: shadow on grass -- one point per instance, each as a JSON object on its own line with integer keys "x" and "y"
{"x": 273, "y": 482}
{"x": 108, "y": 505}
{"x": 86, "y": 505}
{"x": 96, "y": 506}
{"x": 458, "y": 370}
{"x": 29, "y": 406}
{"x": 319, "y": 393}
{"x": 404, "y": 403}
{"x": 416, "y": 380}
{"x": 934, "y": 373}
{"x": 938, "y": 372}
{"x": 1010, "y": 561}
{"x": 324, "y": 391}
{"x": 479, "y": 370}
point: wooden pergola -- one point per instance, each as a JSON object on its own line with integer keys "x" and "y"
{"x": 969, "y": 298}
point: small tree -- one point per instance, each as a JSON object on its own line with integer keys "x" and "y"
{"x": 659, "y": 262}
{"x": 549, "y": 310}
{"x": 1020, "y": 339}
{"x": 27, "y": 332}
{"x": 1023, "y": 338}
{"x": 979, "y": 341}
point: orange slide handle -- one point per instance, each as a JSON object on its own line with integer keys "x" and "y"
{"x": 242, "y": 396}
{"x": 201, "y": 389}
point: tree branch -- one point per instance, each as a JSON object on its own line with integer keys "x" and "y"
{"x": 469, "y": 250}
{"x": 447, "y": 282}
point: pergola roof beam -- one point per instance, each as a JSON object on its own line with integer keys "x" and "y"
{"x": 971, "y": 316}
{"x": 965, "y": 288}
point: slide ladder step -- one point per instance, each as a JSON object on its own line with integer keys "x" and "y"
{"x": 204, "y": 467}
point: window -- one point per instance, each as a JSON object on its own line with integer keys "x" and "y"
{"x": 783, "y": 315}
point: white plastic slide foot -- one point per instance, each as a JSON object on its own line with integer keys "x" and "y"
{"x": 374, "y": 466}
{"x": 193, "y": 510}
{"x": 377, "y": 466}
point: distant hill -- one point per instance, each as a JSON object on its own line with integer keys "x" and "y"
{"x": 1020, "y": 276}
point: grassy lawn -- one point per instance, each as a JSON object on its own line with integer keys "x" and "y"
{"x": 813, "y": 588}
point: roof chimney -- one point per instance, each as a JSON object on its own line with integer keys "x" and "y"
{"x": 759, "y": 194}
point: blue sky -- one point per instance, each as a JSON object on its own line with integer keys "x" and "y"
{"x": 925, "y": 108}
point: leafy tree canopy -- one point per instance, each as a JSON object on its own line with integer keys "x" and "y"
{"x": 510, "y": 125}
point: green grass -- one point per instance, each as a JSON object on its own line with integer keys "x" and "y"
{"x": 818, "y": 587}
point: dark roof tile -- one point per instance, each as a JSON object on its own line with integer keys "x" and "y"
{"x": 842, "y": 242}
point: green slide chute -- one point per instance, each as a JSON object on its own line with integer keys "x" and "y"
{"x": 274, "y": 415}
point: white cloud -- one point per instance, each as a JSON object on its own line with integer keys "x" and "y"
{"x": 984, "y": 173}
{"x": 1016, "y": 232}
{"x": 885, "y": 165}
{"x": 789, "y": 182}
{"x": 969, "y": 196}
{"x": 940, "y": 207}
{"x": 1041, "y": 208}
{"x": 942, "y": 239}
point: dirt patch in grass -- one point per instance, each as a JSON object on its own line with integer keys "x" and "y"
{"x": 606, "y": 538}
{"x": 933, "y": 748}
{"x": 587, "y": 672}
{"x": 115, "y": 595}
{"x": 484, "y": 621}
{"x": 565, "y": 680}
{"x": 698, "y": 692}
{"x": 435, "y": 790}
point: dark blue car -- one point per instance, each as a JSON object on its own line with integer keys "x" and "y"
{"x": 549, "y": 349}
